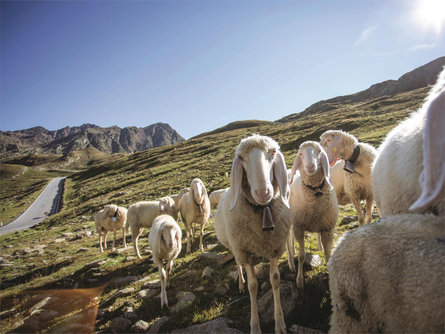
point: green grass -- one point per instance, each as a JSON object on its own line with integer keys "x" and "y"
{"x": 150, "y": 174}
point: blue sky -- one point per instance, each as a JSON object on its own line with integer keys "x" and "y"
{"x": 199, "y": 65}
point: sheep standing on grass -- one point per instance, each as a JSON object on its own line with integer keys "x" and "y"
{"x": 194, "y": 207}
{"x": 168, "y": 206}
{"x": 358, "y": 159}
{"x": 253, "y": 217}
{"x": 312, "y": 200}
{"x": 416, "y": 142}
{"x": 165, "y": 242}
{"x": 140, "y": 216}
{"x": 110, "y": 218}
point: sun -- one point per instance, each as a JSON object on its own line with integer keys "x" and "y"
{"x": 431, "y": 14}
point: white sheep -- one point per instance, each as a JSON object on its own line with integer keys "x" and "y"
{"x": 141, "y": 215}
{"x": 110, "y": 218}
{"x": 358, "y": 159}
{"x": 312, "y": 200}
{"x": 178, "y": 196}
{"x": 389, "y": 277}
{"x": 253, "y": 217}
{"x": 416, "y": 142}
{"x": 215, "y": 196}
{"x": 165, "y": 242}
{"x": 194, "y": 207}
{"x": 168, "y": 206}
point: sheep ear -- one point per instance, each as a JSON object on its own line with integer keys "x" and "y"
{"x": 107, "y": 208}
{"x": 432, "y": 178}
{"x": 295, "y": 166}
{"x": 334, "y": 149}
{"x": 236, "y": 180}
{"x": 325, "y": 166}
{"x": 280, "y": 173}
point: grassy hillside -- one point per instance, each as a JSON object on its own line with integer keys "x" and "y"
{"x": 58, "y": 253}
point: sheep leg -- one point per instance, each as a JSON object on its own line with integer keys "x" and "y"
{"x": 169, "y": 271}
{"x": 100, "y": 241}
{"x": 320, "y": 245}
{"x": 105, "y": 239}
{"x": 358, "y": 208}
{"x": 114, "y": 239}
{"x": 124, "y": 237}
{"x": 241, "y": 280}
{"x": 201, "y": 232}
{"x": 368, "y": 210}
{"x": 252, "y": 284}
{"x": 136, "y": 231}
{"x": 280, "y": 325}
{"x": 299, "y": 235}
{"x": 162, "y": 275}
{"x": 290, "y": 251}
{"x": 326, "y": 239}
{"x": 187, "y": 233}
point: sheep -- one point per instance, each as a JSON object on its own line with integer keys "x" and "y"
{"x": 178, "y": 196}
{"x": 165, "y": 242}
{"x": 253, "y": 217}
{"x": 389, "y": 277}
{"x": 416, "y": 142}
{"x": 141, "y": 215}
{"x": 313, "y": 202}
{"x": 110, "y": 218}
{"x": 215, "y": 196}
{"x": 194, "y": 207}
{"x": 167, "y": 205}
{"x": 358, "y": 158}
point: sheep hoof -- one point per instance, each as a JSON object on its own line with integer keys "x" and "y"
{"x": 280, "y": 328}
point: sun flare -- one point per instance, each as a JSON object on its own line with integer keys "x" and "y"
{"x": 431, "y": 14}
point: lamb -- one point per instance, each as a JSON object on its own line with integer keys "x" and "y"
{"x": 194, "y": 207}
{"x": 253, "y": 217}
{"x": 313, "y": 201}
{"x": 416, "y": 142}
{"x": 358, "y": 159}
{"x": 165, "y": 242}
{"x": 215, "y": 196}
{"x": 167, "y": 205}
{"x": 140, "y": 216}
{"x": 389, "y": 277}
{"x": 110, "y": 218}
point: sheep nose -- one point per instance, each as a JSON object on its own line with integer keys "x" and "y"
{"x": 310, "y": 167}
{"x": 263, "y": 194}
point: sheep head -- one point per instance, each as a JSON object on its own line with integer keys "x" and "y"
{"x": 259, "y": 157}
{"x": 165, "y": 204}
{"x": 198, "y": 191}
{"x": 171, "y": 236}
{"x": 338, "y": 145}
{"x": 311, "y": 157}
{"x": 109, "y": 210}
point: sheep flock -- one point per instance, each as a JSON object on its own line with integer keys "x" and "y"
{"x": 384, "y": 276}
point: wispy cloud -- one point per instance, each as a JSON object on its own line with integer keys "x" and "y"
{"x": 421, "y": 47}
{"x": 415, "y": 48}
{"x": 365, "y": 35}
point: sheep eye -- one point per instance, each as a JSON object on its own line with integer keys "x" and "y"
{"x": 241, "y": 158}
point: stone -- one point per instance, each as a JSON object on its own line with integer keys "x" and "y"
{"x": 213, "y": 256}
{"x": 67, "y": 234}
{"x": 94, "y": 264}
{"x": 215, "y": 326}
{"x": 130, "y": 258}
{"x": 124, "y": 292}
{"x": 58, "y": 240}
{"x": 157, "y": 326}
{"x": 124, "y": 280}
{"x": 207, "y": 272}
{"x": 152, "y": 284}
{"x": 120, "y": 325}
{"x": 82, "y": 249}
{"x": 313, "y": 260}
{"x": 146, "y": 293}
{"x": 220, "y": 291}
{"x": 140, "y": 326}
{"x": 297, "y": 329}
{"x": 185, "y": 299}
{"x": 288, "y": 297}
{"x": 234, "y": 275}
{"x": 200, "y": 288}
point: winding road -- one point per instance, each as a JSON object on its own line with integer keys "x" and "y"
{"x": 45, "y": 205}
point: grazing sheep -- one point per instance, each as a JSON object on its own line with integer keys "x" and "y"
{"x": 215, "y": 196}
{"x": 168, "y": 206}
{"x": 110, "y": 218}
{"x": 140, "y": 216}
{"x": 416, "y": 142}
{"x": 165, "y": 242}
{"x": 253, "y": 217}
{"x": 178, "y": 196}
{"x": 195, "y": 208}
{"x": 313, "y": 202}
{"x": 358, "y": 158}
{"x": 389, "y": 277}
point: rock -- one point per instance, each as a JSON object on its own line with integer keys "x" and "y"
{"x": 120, "y": 325}
{"x": 94, "y": 264}
{"x": 157, "y": 326}
{"x": 216, "y": 326}
{"x": 140, "y": 326}
{"x": 288, "y": 296}
{"x": 207, "y": 272}
{"x": 261, "y": 271}
{"x": 153, "y": 284}
{"x": 313, "y": 260}
{"x": 82, "y": 249}
{"x": 297, "y": 329}
{"x": 213, "y": 256}
{"x": 67, "y": 234}
{"x": 200, "y": 288}
{"x": 347, "y": 220}
{"x": 220, "y": 291}
{"x": 130, "y": 314}
{"x": 185, "y": 299}
{"x": 146, "y": 293}
{"x": 124, "y": 292}
{"x": 125, "y": 280}
{"x": 41, "y": 304}
{"x": 234, "y": 275}
{"x": 58, "y": 240}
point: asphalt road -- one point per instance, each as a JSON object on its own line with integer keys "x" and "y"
{"x": 45, "y": 205}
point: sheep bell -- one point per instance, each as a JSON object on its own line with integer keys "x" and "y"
{"x": 349, "y": 167}
{"x": 268, "y": 224}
